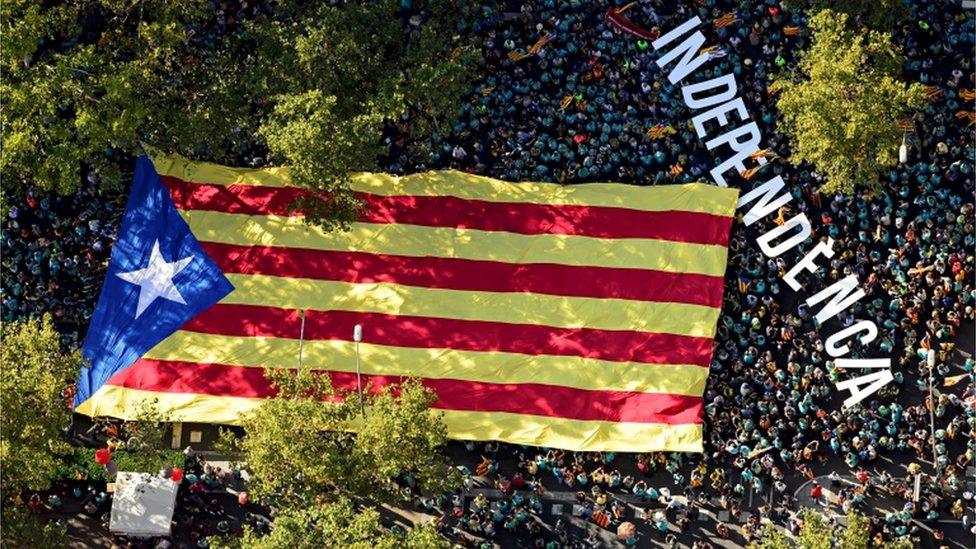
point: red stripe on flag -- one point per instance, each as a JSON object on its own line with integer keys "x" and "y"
{"x": 447, "y": 333}
{"x": 534, "y": 399}
{"x": 449, "y": 211}
{"x": 469, "y": 274}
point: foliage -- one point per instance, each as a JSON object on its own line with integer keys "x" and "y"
{"x": 353, "y": 68}
{"x": 288, "y": 444}
{"x": 816, "y": 531}
{"x": 401, "y": 435}
{"x": 904, "y": 542}
{"x": 310, "y": 86}
{"x": 858, "y": 532}
{"x": 34, "y": 375}
{"x": 338, "y": 524}
{"x": 877, "y": 14}
{"x": 299, "y": 449}
{"x": 146, "y": 433}
{"x": 141, "y": 462}
{"x": 317, "y": 143}
{"x": 80, "y": 464}
{"x": 86, "y": 81}
{"x": 21, "y": 529}
{"x": 772, "y": 538}
{"x": 145, "y": 449}
{"x": 842, "y": 116}
{"x": 228, "y": 445}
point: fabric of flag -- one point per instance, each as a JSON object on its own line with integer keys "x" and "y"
{"x": 602, "y": 518}
{"x": 577, "y": 317}
{"x": 953, "y": 380}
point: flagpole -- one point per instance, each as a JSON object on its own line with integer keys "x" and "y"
{"x": 301, "y": 341}
{"x": 357, "y": 336}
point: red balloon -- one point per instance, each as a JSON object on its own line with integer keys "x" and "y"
{"x": 177, "y": 475}
{"x": 103, "y": 456}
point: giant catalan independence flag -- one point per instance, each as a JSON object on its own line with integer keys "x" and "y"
{"x": 577, "y": 317}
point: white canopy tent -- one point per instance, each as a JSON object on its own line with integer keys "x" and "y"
{"x": 143, "y": 505}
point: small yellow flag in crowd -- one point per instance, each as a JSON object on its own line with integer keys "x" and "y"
{"x": 953, "y": 380}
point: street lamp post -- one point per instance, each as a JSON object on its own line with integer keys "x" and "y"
{"x": 357, "y": 336}
{"x": 301, "y": 341}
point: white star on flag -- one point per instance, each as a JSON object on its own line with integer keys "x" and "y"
{"x": 156, "y": 280}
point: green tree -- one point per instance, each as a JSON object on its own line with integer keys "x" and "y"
{"x": 34, "y": 376}
{"x": 21, "y": 529}
{"x": 815, "y": 532}
{"x": 337, "y": 524}
{"x": 85, "y": 81}
{"x": 842, "y": 115}
{"x": 858, "y": 532}
{"x": 772, "y": 538}
{"x": 145, "y": 436}
{"x": 402, "y": 435}
{"x": 352, "y": 68}
{"x": 299, "y": 449}
{"x": 311, "y": 86}
{"x": 904, "y": 542}
{"x": 877, "y": 14}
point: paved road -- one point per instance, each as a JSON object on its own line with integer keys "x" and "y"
{"x": 881, "y": 502}
{"x": 563, "y": 504}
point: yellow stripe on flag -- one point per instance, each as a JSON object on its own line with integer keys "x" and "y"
{"x": 490, "y": 367}
{"x": 571, "y": 434}
{"x": 513, "y": 308}
{"x": 450, "y": 242}
{"x": 689, "y": 197}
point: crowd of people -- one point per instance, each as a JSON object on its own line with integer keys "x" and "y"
{"x": 210, "y": 502}
{"x": 54, "y": 252}
{"x": 578, "y": 109}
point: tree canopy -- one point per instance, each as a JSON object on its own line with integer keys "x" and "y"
{"x": 841, "y": 112}
{"x": 22, "y": 529}
{"x": 337, "y": 524}
{"x": 816, "y": 532}
{"x": 857, "y": 533}
{"x": 352, "y": 69}
{"x": 299, "y": 449}
{"x": 86, "y": 81}
{"x": 877, "y": 14}
{"x": 145, "y": 436}
{"x": 35, "y": 373}
{"x": 308, "y": 85}
{"x": 772, "y": 538}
